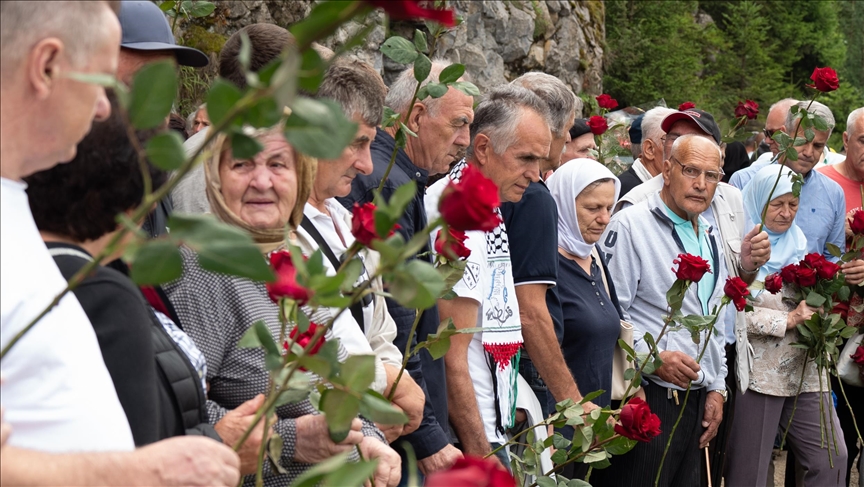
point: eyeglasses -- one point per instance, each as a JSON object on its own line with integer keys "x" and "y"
{"x": 669, "y": 138}
{"x": 691, "y": 172}
{"x": 769, "y": 134}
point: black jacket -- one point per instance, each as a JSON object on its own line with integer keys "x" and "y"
{"x": 156, "y": 384}
{"x": 430, "y": 437}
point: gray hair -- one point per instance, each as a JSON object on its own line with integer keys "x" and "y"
{"x": 854, "y": 116}
{"x": 357, "y": 88}
{"x": 651, "y": 122}
{"x": 499, "y": 114}
{"x": 402, "y": 90}
{"x": 816, "y": 108}
{"x": 23, "y": 24}
{"x": 190, "y": 120}
{"x": 562, "y": 102}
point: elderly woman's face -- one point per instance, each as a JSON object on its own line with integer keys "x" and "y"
{"x": 262, "y": 191}
{"x": 593, "y": 210}
{"x": 781, "y": 213}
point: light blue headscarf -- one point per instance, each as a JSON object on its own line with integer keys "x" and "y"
{"x": 566, "y": 184}
{"x": 788, "y": 247}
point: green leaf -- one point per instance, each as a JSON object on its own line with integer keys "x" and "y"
{"x": 274, "y": 449}
{"x": 466, "y": 87}
{"x": 809, "y": 134}
{"x": 350, "y": 274}
{"x": 221, "y": 97}
{"x": 403, "y": 195}
{"x": 312, "y": 69}
{"x": 416, "y": 284}
{"x": 401, "y": 139}
{"x": 451, "y": 73}
{"x": 340, "y": 408}
{"x": 322, "y": 21}
{"x": 546, "y": 482}
{"x": 844, "y": 293}
{"x": 358, "y": 372}
{"x": 390, "y": 117}
{"x": 420, "y": 42}
{"x": 577, "y": 483}
{"x": 379, "y": 410}
{"x": 820, "y": 123}
{"x": 167, "y": 5}
{"x": 153, "y": 89}
{"x": 244, "y": 147}
{"x": 815, "y": 300}
{"x": 791, "y": 154}
{"x": 436, "y": 90}
{"x": 591, "y": 396}
{"x": 156, "y": 262}
{"x": 400, "y": 50}
{"x": 318, "y": 128}
{"x": 422, "y": 68}
{"x": 351, "y": 474}
{"x": 799, "y": 141}
{"x": 835, "y": 251}
{"x": 559, "y": 442}
{"x": 595, "y": 456}
{"x": 201, "y": 9}
{"x": 291, "y": 396}
{"x": 265, "y": 113}
{"x": 312, "y": 476}
{"x": 620, "y": 445}
{"x": 165, "y": 150}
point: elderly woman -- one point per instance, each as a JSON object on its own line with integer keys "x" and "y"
{"x": 777, "y": 366}
{"x": 262, "y": 196}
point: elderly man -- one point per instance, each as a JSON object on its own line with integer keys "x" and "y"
{"x": 360, "y": 92}
{"x": 650, "y": 162}
{"x": 532, "y": 229}
{"x": 581, "y": 142}
{"x": 442, "y": 135}
{"x": 775, "y": 121}
{"x": 641, "y": 243}
{"x": 198, "y": 120}
{"x": 510, "y": 139}
{"x": 58, "y": 396}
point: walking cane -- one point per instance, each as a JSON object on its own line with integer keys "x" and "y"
{"x": 708, "y": 465}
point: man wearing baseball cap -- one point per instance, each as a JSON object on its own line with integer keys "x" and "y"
{"x": 690, "y": 121}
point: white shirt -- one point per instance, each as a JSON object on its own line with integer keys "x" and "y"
{"x": 56, "y": 391}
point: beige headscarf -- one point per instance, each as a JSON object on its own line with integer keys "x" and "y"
{"x": 268, "y": 239}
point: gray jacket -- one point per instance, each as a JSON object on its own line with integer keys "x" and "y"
{"x": 640, "y": 245}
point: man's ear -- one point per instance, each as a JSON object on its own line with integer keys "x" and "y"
{"x": 416, "y": 114}
{"x": 649, "y": 149}
{"x": 42, "y": 66}
{"x": 667, "y": 171}
{"x": 482, "y": 146}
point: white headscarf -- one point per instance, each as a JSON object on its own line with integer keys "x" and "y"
{"x": 565, "y": 185}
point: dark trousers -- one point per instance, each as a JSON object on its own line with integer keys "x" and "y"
{"x": 683, "y": 463}
{"x": 717, "y": 447}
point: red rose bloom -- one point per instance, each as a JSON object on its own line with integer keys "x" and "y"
{"x": 598, "y": 125}
{"x": 686, "y": 106}
{"x": 790, "y": 273}
{"x": 749, "y": 109}
{"x": 736, "y": 290}
{"x": 637, "y": 421}
{"x": 824, "y": 79}
{"x": 812, "y": 260}
{"x": 470, "y": 203}
{"x": 827, "y": 269}
{"x": 452, "y": 244}
{"x": 841, "y": 309}
{"x": 472, "y": 472}
{"x": 806, "y": 277}
{"x": 691, "y": 267}
{"x": 773, "y": 283}
{"x": 858, "y": 356}
{"x": 411, "y": 9}
{"x": 286, "y": 285}
{"x": 305, "y": 338}
{"x": 857, "y": 223}
{"x": 363, "y": 224}
{"x": 607, "y": 102}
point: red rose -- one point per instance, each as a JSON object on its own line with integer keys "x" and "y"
{"x": 857, "y": 223}
{"x": 806, "y": 277}
{"x": 747, "y": 109}
{"x": 827, "y": 269}
{"x": 736, "y": 290}
{"x": 812, "y": 260}
{"x": 691, "y": 267}
{"x": 789, "y": 273}
{"x": 686, "y": 106}
{"x": 363, "y": 224}
{"x": 824, "y": 79}
{"x": 607, "y": 102}
{"x": 637, "y": 421}
{"x": 286, "y": 285}
{"x": 470, "y": 203}
{"x": 411, "y": 9}
{"x": 452, "y": 244}
{"x": 472, "y": 472}
{"x": 598, "y": 125}
{"x": 773, "y": 283}
{"x": 305, "y": 338}
{"x": 841, "y": 309}
{"x": 858, "y": 356}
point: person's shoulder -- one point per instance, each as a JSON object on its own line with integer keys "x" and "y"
{"x": 827, "y": 183}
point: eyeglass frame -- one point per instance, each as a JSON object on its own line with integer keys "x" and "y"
{"x": 684, "y": 168}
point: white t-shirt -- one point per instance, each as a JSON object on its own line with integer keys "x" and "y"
{"x": 56, "y": 391}
{"x": 488, "y": 279}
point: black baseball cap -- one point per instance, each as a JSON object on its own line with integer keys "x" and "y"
{"x": 145, "y": 28}
{"x": 579, "y": 128}
{"x": 635, "y": 130}
{"x": 702, "y": 118}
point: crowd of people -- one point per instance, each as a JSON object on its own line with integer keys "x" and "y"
{"x": 128, "y": 385}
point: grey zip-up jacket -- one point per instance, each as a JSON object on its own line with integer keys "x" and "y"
{"x": 640, "y": 245}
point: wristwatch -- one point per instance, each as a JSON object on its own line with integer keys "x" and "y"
{"x": 723, "y": 393}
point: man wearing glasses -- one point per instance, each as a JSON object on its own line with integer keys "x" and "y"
{"x": 775, "y": 122}
{"x": 640, "y": 244}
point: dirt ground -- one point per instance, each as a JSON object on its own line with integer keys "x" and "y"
{"x": 780, "y": 470}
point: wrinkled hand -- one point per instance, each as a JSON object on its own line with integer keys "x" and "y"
{"x": 854, "y": 272}
{"x": 389, "y": 470}
{"x": 232, "y": 426}
{"x": 313, "y": 443}
{"x": 191, "y": 461}
{"x": 711, "y": 419}
{"x": 392, "y": 432}
{"x": 799, "y": 315}
{"x": 678, "y": 368}
{"x": 444, "y": 459}
{"x": 755, "y": 249}
{"x": 409, "y": 397}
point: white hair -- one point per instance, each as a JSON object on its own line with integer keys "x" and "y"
{"x": 499, "y": 114}
{"x": 190, "y": 120}
{"x": 562, "y": 102}
{"x": 651, "y": 122}
{"x": 816, "y": 108}
{"x": 784, "y": 104}
{"x": 854, "y": 117}
{"x": 402, "y": 90}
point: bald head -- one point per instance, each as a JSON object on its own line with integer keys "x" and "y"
{"x": 687, "y": 145}
{"x": 776, "y": 120}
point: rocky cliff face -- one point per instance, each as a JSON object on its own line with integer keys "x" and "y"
{"x": 497, "y": 41}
